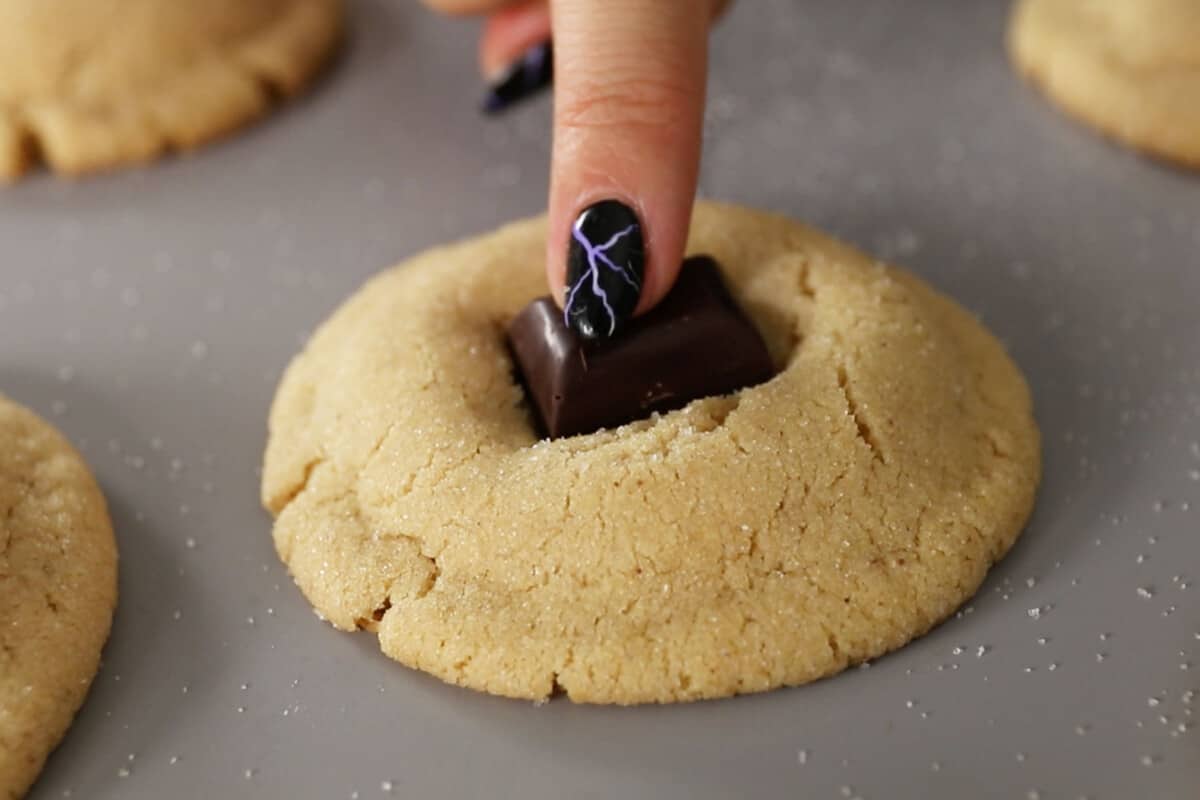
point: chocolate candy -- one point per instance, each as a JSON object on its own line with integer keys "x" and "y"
{"x": 695, "y": 343}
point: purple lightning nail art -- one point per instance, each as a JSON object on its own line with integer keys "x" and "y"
{"x": 605, "y": 267}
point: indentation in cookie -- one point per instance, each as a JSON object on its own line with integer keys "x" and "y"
{"x": 781, "y": 314}
{"x": 709, "y": 412}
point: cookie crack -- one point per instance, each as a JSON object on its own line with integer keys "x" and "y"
{"x": 28, "y": 485}
{"x": 835, "y": 649}
{"x": 375, "y": 448}
{"x": 378, "y": 614}
{"x": 997, "y": 452}
{"x": 435, "y": 572}
{"x": 865, "y": 434}
{"x": 385, "y": 606}
{"x": 74, "y": 61}
{"x": 431, "y": 559}
{"x": 722, "y": 407}
{"x": 443, "y": 472}
{"x": 281, "y": 504}
{"x": 916, "y": 533}
{"x": 763, "y": 569}
{"x": 804, "y": 281}
{"x": 9, "y": 513}
{"x": 446, "y": 472}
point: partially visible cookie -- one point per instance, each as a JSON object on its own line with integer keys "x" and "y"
{"x": 763, "y": 538}
{"x": 92, "y": 84}
{"x": 58, "y": 588}
{"x": 1128, "y": 67}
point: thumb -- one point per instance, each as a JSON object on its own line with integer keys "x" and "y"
{"x": 629, "y": 101}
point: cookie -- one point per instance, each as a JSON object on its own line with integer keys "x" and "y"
{"x": 88, "y": 85}
{"x": 1128, "y": 67}
{"x": 765, "y": 538}
{"x": 58, "y": 587}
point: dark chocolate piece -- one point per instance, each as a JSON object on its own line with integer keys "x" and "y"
{"x": 695, "y": 343}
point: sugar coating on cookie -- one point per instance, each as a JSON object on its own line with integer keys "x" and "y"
{"x": 1130, "y": 68}
{"x": 760, "y": 539}
{"x": 88, "y": 85}
{"x": 58, "y": 587}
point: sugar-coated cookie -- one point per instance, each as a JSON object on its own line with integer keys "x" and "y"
{"x": 58, "y": 587}
{"x": 1128, "y": 67}
{"x": 87, "y": 85}
{"x": 760, "y": 539}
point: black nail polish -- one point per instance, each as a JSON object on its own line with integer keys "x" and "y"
{"x": 606, "y": 262}
{"x": 525, "y": 77}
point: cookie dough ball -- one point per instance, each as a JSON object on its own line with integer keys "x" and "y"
{"x": 1128, "y": 67}
{"x": 93, "y": 84}
{"x": 58, "y": 587}
{"x": 764, "y": 538}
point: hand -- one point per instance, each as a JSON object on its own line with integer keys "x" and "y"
{"x": 629, "y": 103}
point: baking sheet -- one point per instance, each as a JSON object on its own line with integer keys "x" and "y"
{"x": 148, "y": 314}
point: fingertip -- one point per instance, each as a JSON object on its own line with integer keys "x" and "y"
{"x": 664, "y": 263}
{"x": 556, "y": 273}
{"x": 623, "y": 255}
{"x": 462, "y": 8}
{"x": 628, "y": 113}
{"x": 509, "y": 33}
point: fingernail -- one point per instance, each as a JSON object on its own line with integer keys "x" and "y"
{"x": 606, "y": 262}
{"x": 525, "y": 77}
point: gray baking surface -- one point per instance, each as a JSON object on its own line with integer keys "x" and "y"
{"x": 149, "y": 314}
